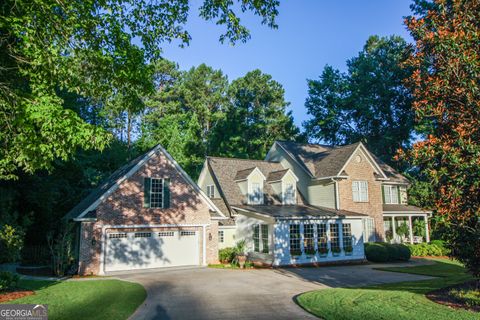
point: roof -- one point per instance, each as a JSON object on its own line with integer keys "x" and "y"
{"x": 226, "y": 170}
{"x": 243, "y": 174}
{"x": 298, "y": 211}
{"x": 277, "y": 175}
{"x": 327, "y": 161}
{"x": 403, "y": 208}
{"x": 86, "y": 208}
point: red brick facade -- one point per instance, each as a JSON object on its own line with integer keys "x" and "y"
{"x": 125, "y": 207}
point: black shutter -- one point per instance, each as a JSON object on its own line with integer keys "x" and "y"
{"x": 166, "y": 193}
{"x": 146, "y": 192}
{"x": 383, "y": 193}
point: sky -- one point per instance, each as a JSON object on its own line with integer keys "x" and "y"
{"x": 311, "y": 34}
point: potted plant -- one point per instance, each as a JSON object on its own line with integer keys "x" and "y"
{"x": 348, "y": 250}
{"x": 310, "y": 252}
{"x": 240, "y": 256}
{"x": 323, "y": 251}
{"x": 336, "y": 251}
{"x": 295, "y": 253}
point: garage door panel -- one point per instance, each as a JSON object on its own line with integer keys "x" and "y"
{"x": 139, "y": 250}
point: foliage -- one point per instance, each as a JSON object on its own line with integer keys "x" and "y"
{"x": 469, "y": 296}
{"x": 426, "y": 249}
{"x": 336, "y": 250}
{"x": 119, "y": 299}
{"x": 310, "y": 251}
{"x": 60, "y": 244}
{"x": 11, "y": 243}
{"x": 442, "y": 245}
{"x": 239, "y": 251}
{"x": 8, "y": 280}
{"x": 385, "y": 252}
{"x": 404, "y": 300}
{"x": 418, "y": 228}
{"x": 446, "y": 93}
{"x": 348, "y": 249}
{"x": 323, "y": 250}
{"x": 97, "y": 50}
{"x": 296, "y": 253}
{"x": 369, "y": 102}
{"x": 226, "y": 255}
{"x": 402, "y": 229}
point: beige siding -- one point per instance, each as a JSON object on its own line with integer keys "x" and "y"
{"x": 228, "y": 237}
{"x": 322, "y": 195}
{"x": 208, "y": 180}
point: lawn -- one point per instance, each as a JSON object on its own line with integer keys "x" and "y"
{"x": 403, "y": 300}
{"x": 93, "y": 299}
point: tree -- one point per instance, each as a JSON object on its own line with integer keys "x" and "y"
{"x": 369, "y": 102}
{"x": 445, "y": 85}
{"x": 255, "y": 118}
{"x": 87, "y": 48}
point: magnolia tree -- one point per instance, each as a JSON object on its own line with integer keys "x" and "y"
{"x": 445, "y": 84}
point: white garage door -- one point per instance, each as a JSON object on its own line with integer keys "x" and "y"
{"x": 149, "y": 249}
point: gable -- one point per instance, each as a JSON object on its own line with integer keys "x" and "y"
{"x": 359, "y": 155}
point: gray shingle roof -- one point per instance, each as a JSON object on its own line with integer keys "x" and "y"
{"x": 401, "y": 208}
{"x": 276, "y": 175}
{"x": 225, "y": 172}
{"x": 326, "y": 161}
{"x": 280, "y": 211}
{"x": 243, "y": 174}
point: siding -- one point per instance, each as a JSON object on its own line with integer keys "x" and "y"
{"x": 322, "y": 195}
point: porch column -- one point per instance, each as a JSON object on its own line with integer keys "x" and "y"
{"x": 394, "y": 232}
{"x": 427, "y": 233}
{"x": 410, "y": 229}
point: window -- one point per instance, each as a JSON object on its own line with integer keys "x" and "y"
{"x": 166, "y": 234}
{"x": 322, "y": 237}
{"x": 156, "y": 193}
{"x": 211, "y": 191}
{"x": 347, "y": 237}
{"x": 143, "y": 234}
{"x": 290, "y": 194}
{"x": 256, "y": 238}
{"x": 187, "y": 233}
{"x": 360, "y": 191}
{"x": 256, "y": 196}
{"x": 221, "y": 236}
{"x": 117, "y": 235}
{"x": 369, "y": 230}
{"x": 334, "y": 237}
{"x": 265, "y": 247}
{"x": 295, "y": 239}
{"x": 308, "y": 245}
{"x": 390, "y": 194}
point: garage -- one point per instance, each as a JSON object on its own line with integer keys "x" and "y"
{"x": 151, "y": 249}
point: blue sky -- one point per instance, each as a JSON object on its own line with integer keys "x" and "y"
{"x": 311, "y": 34}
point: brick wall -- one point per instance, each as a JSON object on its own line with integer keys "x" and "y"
{"x": 125, "y": 207}
{"x": 363, "y": 170}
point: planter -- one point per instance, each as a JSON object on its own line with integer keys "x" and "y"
{"x": 241, "y": 258}
{"x": 348, "y": 253}
{"x": 336, "y": 252}
{"x": 311, "y": 253}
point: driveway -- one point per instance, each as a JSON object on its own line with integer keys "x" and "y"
{"x": 205, "y": 293}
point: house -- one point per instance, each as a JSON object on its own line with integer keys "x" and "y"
{"x": 147, "y": 214}
{"x": 309, "y": 203}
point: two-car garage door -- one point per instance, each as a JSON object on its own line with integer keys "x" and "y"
{"x": 151, "y": 249}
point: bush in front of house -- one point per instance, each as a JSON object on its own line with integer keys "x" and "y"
{"x": 427, "y": 249}
{"x": 11, "y": 243}
{"x": 441, "y": 244}
{"x": 386, "y": 252}
{"x": 8, "y": 281}
{"x": 226, "y": 255}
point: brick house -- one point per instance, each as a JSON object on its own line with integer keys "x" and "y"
{"x": 148, "y": 214}
{"x": 309, "y": 203}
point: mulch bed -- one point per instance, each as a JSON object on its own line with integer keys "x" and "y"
{"x": 442, "y": 296}
{"x": 12, "y": 295}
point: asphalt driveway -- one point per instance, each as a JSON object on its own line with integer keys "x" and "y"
{"x": 204, "y": 293}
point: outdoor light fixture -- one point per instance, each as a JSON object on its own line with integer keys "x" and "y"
{"x": 209, "y": 236}
{"x": 94, "y": 241}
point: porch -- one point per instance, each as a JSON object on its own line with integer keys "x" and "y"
{"x": 406, "y": 227}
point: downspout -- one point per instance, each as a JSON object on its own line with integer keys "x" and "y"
{"x": 337, "y": 196}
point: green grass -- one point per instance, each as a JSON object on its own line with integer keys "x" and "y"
{"x": 404, "y": 300}
{"x": 94, "y": 299}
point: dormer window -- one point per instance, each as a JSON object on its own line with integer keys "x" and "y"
{"x": 255, "y": 194}
{"x": 290, "y": 194}
{"x": 211, "y": 191}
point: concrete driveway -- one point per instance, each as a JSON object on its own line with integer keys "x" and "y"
{"x": 205, "y": 293}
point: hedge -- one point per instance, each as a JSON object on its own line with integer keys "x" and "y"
{"x": 435, "y": 248}
{"x": 386, "y": 252}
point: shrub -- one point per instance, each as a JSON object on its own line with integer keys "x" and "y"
{"x": 8, "y": 280}
{"x": 426, "y": 249}
{"x": 11, "y": 243}
{"x": 385, "y": 252}
{"x": 441, "y": 244}
{"x": 376, "y": 252}
{"x": 226, "y": 255}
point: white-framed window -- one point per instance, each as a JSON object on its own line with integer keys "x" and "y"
{"x": 295, "y": 239}
{"x": 187, "y": 233}
{"x": 334, "y": 236}
{"x": 265, "y": 247}
{"x": 369, "y": 230}
{"x": 347, "y": 236}
{"x": 290, "y": 194}
{"x": 256, "y": 238}
{"x": 156, "y": 193}
{"x": 143, "y": 234}
{"x": 166, "y": 234}
{"x": 322, "y": 239}
{"x": 390, "y": 194}
{"x": 308, "y": 239}
{"x": 256, "y": 195}
{"x": 117, "y": 235}
{"x": 221, "y": 236}
{"x": 360, "y": 191}
{"x": 211, "y": 191}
